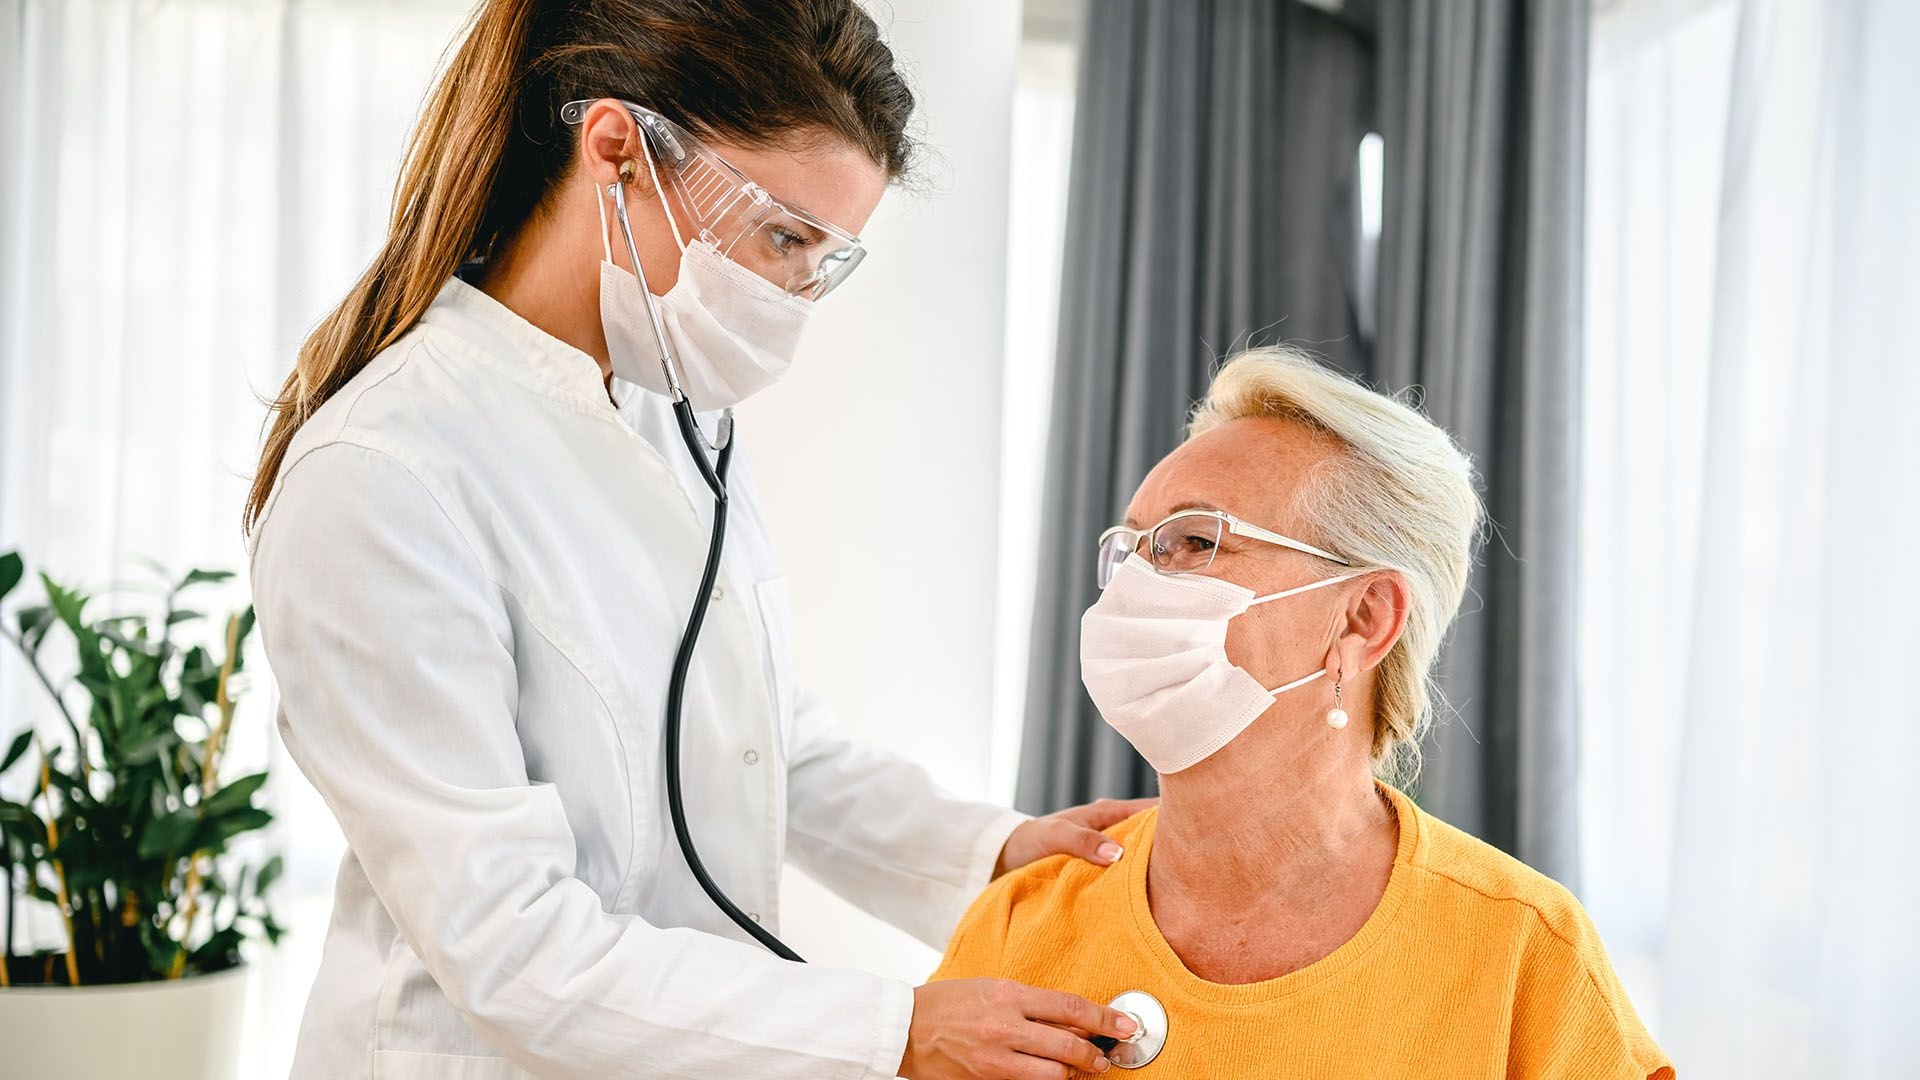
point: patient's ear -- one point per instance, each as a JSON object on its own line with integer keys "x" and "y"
{"x": 1376, "y": 616}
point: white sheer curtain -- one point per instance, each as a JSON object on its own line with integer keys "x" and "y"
{"x": 185, "y": 185}
{"x": 1750, "y": 506}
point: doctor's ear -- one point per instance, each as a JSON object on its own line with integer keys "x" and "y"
{"x": 610, "y": 144}
{"x": 1376, "y": 616}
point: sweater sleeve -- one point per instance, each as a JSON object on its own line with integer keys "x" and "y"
{"x": 977, "y": 948}
{"x": 1573, "y": 1018}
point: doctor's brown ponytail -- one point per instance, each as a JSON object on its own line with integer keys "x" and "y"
{"x": 489, "y": 145}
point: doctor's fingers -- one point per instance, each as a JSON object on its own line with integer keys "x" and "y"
{"x": 1053, "y": 1048}
{"x": 1063, "y": 1010}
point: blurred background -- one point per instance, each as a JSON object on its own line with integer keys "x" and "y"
{"x": 1651, "y": 260}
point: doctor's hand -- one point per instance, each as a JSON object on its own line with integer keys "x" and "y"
{"x": 1073, "y": 831}
{"x": 992, "y": 1029}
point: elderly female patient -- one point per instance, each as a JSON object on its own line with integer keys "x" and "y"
{"x": 1269, "y": 615}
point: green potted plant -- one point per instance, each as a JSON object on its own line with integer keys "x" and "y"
{"x": 119, "y": 822}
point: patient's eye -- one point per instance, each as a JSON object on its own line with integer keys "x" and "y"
{"x": 1193, "y": 542}
{"x": 1186, "y": 543}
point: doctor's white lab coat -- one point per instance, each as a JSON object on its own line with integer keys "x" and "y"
{"x": 470, "y": 580}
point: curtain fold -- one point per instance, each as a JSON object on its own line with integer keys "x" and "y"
{"x": 1212, "y": 204}
{"x": 1750, "y": 641}
{"x": 1482, "y": 109}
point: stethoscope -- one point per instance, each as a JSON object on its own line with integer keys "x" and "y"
{"x": 1149, "y": 1030}
{"x": 712, "y": 459}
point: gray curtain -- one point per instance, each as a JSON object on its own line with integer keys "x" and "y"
{"x": 1482, "y": 108}
{"x": 1214, "y": 148}
{"x": 1211, "y": 201}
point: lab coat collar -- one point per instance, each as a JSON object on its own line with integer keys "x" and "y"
{"x": 522, "y": 350}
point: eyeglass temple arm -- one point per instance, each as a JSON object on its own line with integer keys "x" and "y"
{"x": 1241, "y": 528}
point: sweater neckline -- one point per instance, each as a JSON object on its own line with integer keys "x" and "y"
{"x": 1174, "y": 972}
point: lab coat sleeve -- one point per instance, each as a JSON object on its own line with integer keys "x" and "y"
{"x": 877, "y": 830}
{"x": 394, "y": 655}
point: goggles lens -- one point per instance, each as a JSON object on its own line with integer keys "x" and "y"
{"x": 716, "y": 203}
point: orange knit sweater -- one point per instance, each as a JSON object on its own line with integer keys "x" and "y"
{"x": 1473, "y": 965}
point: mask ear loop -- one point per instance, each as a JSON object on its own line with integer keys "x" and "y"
{"x": 606, "y": 234}
{"x": 1308, "y": 587}
{"x": 659, "y": 189}
{"x": 617, "y": 191}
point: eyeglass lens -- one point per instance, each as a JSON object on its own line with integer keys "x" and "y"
{"x": 1180, "y": 545}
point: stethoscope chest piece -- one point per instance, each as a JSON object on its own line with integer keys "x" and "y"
{"x": 1148, "y": 1038}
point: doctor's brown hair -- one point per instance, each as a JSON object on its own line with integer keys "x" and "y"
{"x": 489, "y": 143}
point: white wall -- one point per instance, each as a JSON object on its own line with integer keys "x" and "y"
{"x": 891, "y": 419}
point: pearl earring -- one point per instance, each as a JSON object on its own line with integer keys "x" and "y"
{"x": 1336, "y": 716}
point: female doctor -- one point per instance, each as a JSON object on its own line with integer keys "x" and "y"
{"x": 477, "y": 534}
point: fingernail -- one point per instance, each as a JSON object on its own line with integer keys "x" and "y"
{"x": 1111, "y": 852}
{"x": 1126, "y": 1025}
{"x": 1101, "y": 1064}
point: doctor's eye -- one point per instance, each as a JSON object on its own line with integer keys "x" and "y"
{"x": 786, "y": 241}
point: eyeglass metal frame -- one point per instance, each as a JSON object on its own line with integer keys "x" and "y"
{"x": 715, "y": 196}
{"x": 1232, "y": 525}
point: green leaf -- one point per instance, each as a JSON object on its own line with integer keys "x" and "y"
{"x": 66, "y": 603}
{"x": 135, "y": 642}
{"x": 169, "y": 835}
{"x": 150, "y": 748}
{"x": 196, "y": 577}
{"x": 33, "y": 622}
{"x": 269, "y": 874}
{"x": 16, "y": 750}
{"x": 216, "y": 831}
{"x": 183, "y": 615}
{"x": 19, "y": 820}
{"x": 235, "y": 795}
{"x": 246, "y": 625}
{"x": 12, "y": 569}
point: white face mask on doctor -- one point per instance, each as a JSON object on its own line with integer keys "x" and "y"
{"x": 750, "y": 271}
{"x": 1153, "y": 656}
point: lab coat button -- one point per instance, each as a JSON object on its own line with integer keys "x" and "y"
{"x": 754, "y": 915}
{"x": 751, "y": 757}
{"x": 719, "y": 593}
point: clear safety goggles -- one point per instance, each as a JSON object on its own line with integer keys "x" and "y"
{"x": 1185, "y": 543}
{"x": 789, "y": 247}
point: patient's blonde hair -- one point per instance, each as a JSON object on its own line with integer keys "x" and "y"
{"x": 1399, "y": 494}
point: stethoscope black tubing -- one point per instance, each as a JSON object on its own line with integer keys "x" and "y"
{"x": 714, "y": 472}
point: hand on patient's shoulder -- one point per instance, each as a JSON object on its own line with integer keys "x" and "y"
{"x": 1075, "y": 831}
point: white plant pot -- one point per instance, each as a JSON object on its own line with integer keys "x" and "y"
{"x": 183, "y": 1029}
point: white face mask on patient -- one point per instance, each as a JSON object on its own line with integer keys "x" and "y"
{"x": 1153, "y": 656}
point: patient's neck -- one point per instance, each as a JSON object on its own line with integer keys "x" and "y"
{"x": 1275, "y": 818}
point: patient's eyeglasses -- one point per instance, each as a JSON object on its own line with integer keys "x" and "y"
{"x": 1184, "y": 543}
{"x": 803, "y": 254}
